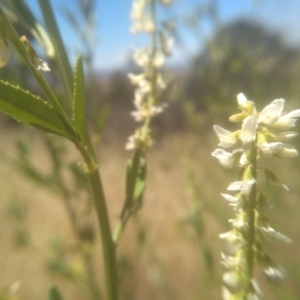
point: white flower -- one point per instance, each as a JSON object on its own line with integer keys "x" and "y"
{"x": 271, "y": 234}
{"x": 138, "y": 98}
{"x": 273, "y": 115}
{"x": 156, "y": 110}
{"x": 240, "y": 222}
{"x": 275, "y": 273}
{"x": 141, "y": 20}
{"x": 233, "y": 201}
{"x": 141, "y": 57}
{"x": 242, "y": 100}
{"x": 231, "y": 262}
{"x": 227, "y": 139}
{"x": 132, "y": 142}
{"x": 42, "y": 65}
{"x": 140, "y": 114}
{"x": 4, "y": 53}
{"x": 234, "y": 239}
{"x": 226, "y": 159}
{"x": 136, "y": 78}
{"x": 159, "y": 59}
{"x": 144, "y": 86}
{"x": 287, "y": 121}
{"x": 244, "y": 186}
{"x": 245, "y": 104}
{"x": 230, "y": 198}
{"x": 277, "y": 148}
{"x": 248, "y": 131}
{"x": 244, "y": 160}
{"x": 233, "y": 281}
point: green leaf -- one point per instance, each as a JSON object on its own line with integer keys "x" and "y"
{"x": 136, "y": 179}
{"x": 79, "y": 98}
{"x": 53, "y": 293}
{"x": 29, "y": 109}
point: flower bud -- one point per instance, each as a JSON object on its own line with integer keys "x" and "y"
{"x": 238, "y": 117}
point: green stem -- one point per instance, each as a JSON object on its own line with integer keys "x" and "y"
{"x": 251, "y": 218}
{"x": 109, "y": 255}
{"x": 60, "y": 51}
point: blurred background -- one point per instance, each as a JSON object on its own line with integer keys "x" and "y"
{"x": 171, "y": 248}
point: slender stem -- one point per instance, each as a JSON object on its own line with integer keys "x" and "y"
{"x": 60, "y": 51}
{"x": 251, "y": 217}
{"x": 109, "y": 255}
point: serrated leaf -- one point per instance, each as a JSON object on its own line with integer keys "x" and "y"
{"x": 136, "y": 179}
{"x": 53, "y": 293}
{"x": 29, "y": 109}
{"x": 79, "y": 98}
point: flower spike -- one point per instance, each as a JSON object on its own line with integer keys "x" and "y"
{"x": 249, "y": 227}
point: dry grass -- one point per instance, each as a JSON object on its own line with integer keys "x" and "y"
{"x": 167, "y": 263}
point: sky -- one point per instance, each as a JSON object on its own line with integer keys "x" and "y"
{"x": 115, "y": 42}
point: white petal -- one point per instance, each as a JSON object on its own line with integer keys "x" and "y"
{"x": 248, "y": 131}
{"x": 275, "y": 273}
{"x": 244, "y": 159}
{"x": 225, "y": 137}
{"x": 239, "y": 222}
{"x": 159, "y": 59}
{"x": 225, "y": 158}
{"x": 136, "y": 78}
{"x": 244, "y": 186}
{"x": 292, "y": 114}
{"x": 242, "y": 100}
{"x": 232, "y": 261}
{"x": 279, "y": 149}
{"x": 234, "y": 239}
{"x": 271, "y": 113}
{"x": 270, "y": 233}
{"x": 287, "y": 152}
{"x": 233, "y": 281}
{"x": 230, "y": 198}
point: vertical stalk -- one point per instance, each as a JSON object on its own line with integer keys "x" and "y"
{"x": 251, "y": 218}
{"x": 109, "y": 255}
{"x": 60, "y": 51}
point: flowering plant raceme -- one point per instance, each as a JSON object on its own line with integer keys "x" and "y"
{"x": 150, "y": 84}
{"x": 262, "y": 134}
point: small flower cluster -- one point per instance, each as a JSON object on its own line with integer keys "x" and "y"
{"x": 149, "y": 83}
{"x": 142, "y": 20}
{"x": 259, "y": 136}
